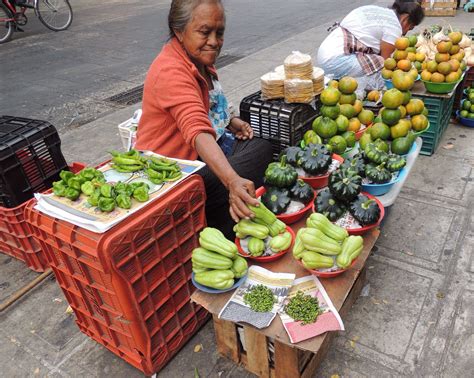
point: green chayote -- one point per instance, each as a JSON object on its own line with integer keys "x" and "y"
{"x": 123, "y": 201}
{"x": 106, "y": 204}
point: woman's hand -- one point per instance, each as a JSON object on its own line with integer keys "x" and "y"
{"x": 240, "y": 129}
{"x": 241, "y": 193}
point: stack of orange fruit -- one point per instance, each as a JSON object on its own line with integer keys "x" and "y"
{"x": 404, "y": 60}
{"x": 448, "y": 64}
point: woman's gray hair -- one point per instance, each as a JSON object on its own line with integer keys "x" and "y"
{"x": 181, "y": 12}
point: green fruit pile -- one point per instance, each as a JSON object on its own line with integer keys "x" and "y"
{"x": 467, "y": 104}
{"x": 397, "y": 121}
{"x": 342, "y": 115}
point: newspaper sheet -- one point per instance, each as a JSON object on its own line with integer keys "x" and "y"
{"x": 81, "y": 213}
{"x": 236, "y": 310}
{"x": 328, "y": 319}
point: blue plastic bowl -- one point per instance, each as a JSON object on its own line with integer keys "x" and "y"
{"x": 210, "y": 290}
{"x": 380, "y": 189}
{"x": 465, "y": 121}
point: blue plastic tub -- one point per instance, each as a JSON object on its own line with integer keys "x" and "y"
{"x": 380, "y": 189}
{"x": 465, "y": 121}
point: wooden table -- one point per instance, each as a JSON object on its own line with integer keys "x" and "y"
{"x": 289, "y": 360}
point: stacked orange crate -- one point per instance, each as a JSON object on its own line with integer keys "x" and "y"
{"x": 130, "y": 287}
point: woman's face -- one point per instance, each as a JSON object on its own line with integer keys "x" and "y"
{"x": 203, "y": 36}
{"x": 405, "y": 23}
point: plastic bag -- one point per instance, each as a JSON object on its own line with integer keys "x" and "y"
{"x": 272, "y": 85}
{"x": 299, "y": 91}
{"x": 298, "y": 66}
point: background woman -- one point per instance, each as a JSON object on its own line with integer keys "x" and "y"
{"x": 186, "y": 115}
{"x": 360, "y": 43}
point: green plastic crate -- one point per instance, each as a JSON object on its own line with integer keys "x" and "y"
{"x": 439, "y": 109}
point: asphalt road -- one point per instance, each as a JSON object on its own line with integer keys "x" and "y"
{"x": 67, "y": 77}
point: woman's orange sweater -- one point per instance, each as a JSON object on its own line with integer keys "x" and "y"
{"x": 175, "y": 105}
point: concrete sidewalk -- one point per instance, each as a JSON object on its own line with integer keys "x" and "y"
{"x": 416, "y": 317}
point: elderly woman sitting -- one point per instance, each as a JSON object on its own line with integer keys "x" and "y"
{"x": 186, "y": 115}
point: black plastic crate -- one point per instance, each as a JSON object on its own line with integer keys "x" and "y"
{"x": 282, "y": 124}
{"x": 30, "y": 158}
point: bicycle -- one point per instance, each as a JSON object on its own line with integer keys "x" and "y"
{"x": 56, "y": 15}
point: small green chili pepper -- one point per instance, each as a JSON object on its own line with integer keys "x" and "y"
{"x": 87, "y": 188}
{"x": 75, "y": 183}
{"x": 106, "y": 204}
{"x": 107, "y": 190}
{"x": 93, "y": 199}
{"x": 141, "y": 194}
{"x": 123, "y": 201}
{"x": 59, "y": 188}
{"x": 72, "y": 194}
{"x": 66, "y": 175}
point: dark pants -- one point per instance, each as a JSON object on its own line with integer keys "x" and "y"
{"x": 249, "y": 159}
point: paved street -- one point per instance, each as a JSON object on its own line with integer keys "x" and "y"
{"x": 67, "y": 77}
{"x": 415, "y": 317}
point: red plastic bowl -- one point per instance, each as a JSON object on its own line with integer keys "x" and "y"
{"x": 359, "y": 133}
{"x": 289, "y": 218}
{"x": 318, "y": 273}
{"x": 362, "y": 230}
{"x": 274, "y": 257}
{"x": 322, "y": 180}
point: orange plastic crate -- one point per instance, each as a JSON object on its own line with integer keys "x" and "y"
{"x": 130, "y": 287}
{"x": 16, "y": 239}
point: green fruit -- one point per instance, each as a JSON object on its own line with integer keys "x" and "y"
{"x": 342, "y": 123}
{"x": 425, "y": 111}
{"x": 401, "y": 146}
{"x": 347, "y": 99}
{"x": 466, "y": 105}
{"x": 365, "y": 139}
{"x": 379, "y": 130}
{"x": 470, "y": 96}
{"x": 330, "y": 111}
{"x": 348, "y": 111}
{"x": 338, "y": 144}
{"x": 381, "y": 145}
{"x": 471, "y": 109}
{"x": 406, "y": 97}
{"x": 350, "y": 138}
{"x": 325, "y": 127}
{"x": 391, "y": 116}
{"x": 470, "y": 116}
{"x": 330, "y": 96}
{"x": 464, "y": 113}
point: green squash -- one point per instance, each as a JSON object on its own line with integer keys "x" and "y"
{"x": 315, "y": 159}
{"x": 365, "y": 210}
{"x": 292, "y": 155}
{"x": 301, "y": 192}
{"x": 280, "y": 174}
{"x": 276, "y": 199}
{"x": 395, "y": 162}
{"x": 328, "y": 205}
{"x": 375, "y": 154}
{"x": 345, "y": 184}
{"x": 356, "y": 164}
{"x": 378, "y": 174}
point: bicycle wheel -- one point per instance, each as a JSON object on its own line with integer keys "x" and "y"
{"x": 6, "y": 27}
{"x": 54, "y": 14}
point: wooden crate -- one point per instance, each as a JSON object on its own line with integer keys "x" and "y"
{"x": 440, "y": 8}
{"x": 267, "y": 357}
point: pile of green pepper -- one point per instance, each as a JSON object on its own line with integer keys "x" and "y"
{"x": 260, "y": 298}
{"x": 106, "y": 197}
{"x": 303, "y": 307}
